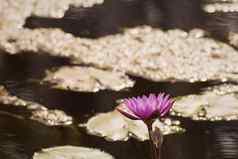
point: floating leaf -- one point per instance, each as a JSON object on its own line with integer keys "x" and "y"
{"x": 114, "y": 126}
{"x": 88, "y": 79}
{"x": 217, "y": 103}
{"x": 38, "y": 112}
{"x": 71, "y": 152}
{"x": 13, "y": 13}
{"x": 147, "y": 52}
{"x": 221, "y": 6}
{"x": 51, "y": 117}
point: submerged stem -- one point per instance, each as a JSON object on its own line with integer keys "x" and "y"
{"x": 155, "y": 139}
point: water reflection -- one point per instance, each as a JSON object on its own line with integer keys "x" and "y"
{"x": 225, "y": 139}
{"x": 204, "y": 140}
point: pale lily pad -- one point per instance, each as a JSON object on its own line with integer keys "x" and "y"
{"x": 13, "y": 13}
{"x": 214, "y": 104}
{"x": 71, "y": 152}
{"x": 137, "y": 129}
{"x": 189, "y": 106}
{"x": 223, "y": 89}
{"x": 225, "y": 106}
{"x": 143, "y": 51}
{"x": 51, "y": 117}
{"x": 222, "y": 6}
{"x": 233, "y": 38}
{"x": 88, "y": 79}
{"x": 39, "y": 112}
{"x": 113, "y": 127}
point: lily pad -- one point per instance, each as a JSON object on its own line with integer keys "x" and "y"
{"x": 146, "y": 52}
{"x": 233, "y": 38}
{"x": 218, "y": 103}
{"x": 37, "y": 111}
{"x": 221, "y": 6}
{"x": 88, "y": 79}
{"x": 223, "y": 89}
{"x": 13, "y": 13}
{"x": 113, "y": 127}
{"x": 51, "y": 117}
{"x": 71, "y": 152}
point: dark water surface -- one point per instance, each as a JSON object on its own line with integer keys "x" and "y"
{"x": 21, "y": 74}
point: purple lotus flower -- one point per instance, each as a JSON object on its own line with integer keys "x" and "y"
{"x": 144, "y": 108}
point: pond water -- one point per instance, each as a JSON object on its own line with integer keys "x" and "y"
{"x": 21, "y": 138}
{"x": 20, "y": 74}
